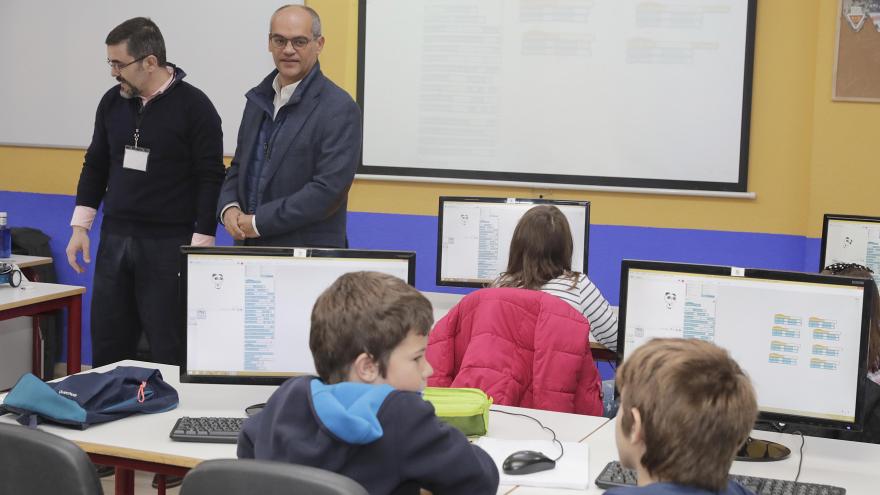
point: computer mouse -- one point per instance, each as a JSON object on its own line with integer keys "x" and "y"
{"x": 527, "y": 462}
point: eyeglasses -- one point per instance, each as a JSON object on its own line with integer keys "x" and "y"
{"x": 298, "y": 42}
{"x": 842, "y": 267}
{"x": 118, "y": 66}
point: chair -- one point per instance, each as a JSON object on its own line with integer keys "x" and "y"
{"x": 38, "y": 463}
{"x": 522, "y": 347}
{"x": 246, "y": 476}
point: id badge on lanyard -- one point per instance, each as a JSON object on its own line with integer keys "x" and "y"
{"x": 136, "y": 158}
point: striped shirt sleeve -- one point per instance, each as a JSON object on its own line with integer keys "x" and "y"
{"x": 585, "y": 297}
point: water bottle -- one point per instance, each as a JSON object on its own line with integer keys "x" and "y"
{"x": 5, "y": 237}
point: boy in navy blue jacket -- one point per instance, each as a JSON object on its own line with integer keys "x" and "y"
{"x": 685, "y": 409}
{"x": 365, "y": 417}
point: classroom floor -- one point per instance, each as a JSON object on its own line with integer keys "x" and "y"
{"x": 142, "y": 484}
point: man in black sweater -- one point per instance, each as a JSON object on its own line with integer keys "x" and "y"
{"x": 155, "y": 161}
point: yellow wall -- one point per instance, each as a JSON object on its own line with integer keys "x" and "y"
{"x": 785, "y": 67}
{"x": 844, "y": 170}
{"x": 802, "y": 144}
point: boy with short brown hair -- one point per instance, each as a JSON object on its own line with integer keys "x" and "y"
{"x": 685, "y": 409}
{"x": 365, "y": 417}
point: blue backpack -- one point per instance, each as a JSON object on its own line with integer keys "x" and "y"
{"x": 90, "y": 398}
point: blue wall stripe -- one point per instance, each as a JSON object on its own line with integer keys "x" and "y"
{"x": 609, "y": 244}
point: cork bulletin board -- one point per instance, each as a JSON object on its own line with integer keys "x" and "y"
{"x": 857, "y": 54}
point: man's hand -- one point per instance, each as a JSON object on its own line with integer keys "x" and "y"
{"x": 246, "y": 225}
{"x": 79, "y": 241}
{"x": 230, "y": 222}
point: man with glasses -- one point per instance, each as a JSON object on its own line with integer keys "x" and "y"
{"x": 298, "y": 147}
{"x": 155, "y": 162}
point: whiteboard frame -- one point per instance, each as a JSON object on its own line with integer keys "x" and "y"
{"x": 580, "y": 182}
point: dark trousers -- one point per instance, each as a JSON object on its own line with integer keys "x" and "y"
{"x": 135, "y": 290}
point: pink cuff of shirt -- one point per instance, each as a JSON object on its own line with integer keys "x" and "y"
{"x": 83, "y": 216}
{"x": 202, "y": 240}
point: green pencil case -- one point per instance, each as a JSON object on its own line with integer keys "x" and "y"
{"x": 464, "y": 408}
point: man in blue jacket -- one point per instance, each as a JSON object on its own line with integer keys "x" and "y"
{"x": 298, "y": 146}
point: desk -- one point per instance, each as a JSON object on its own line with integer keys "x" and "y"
{"x": 36, "y": 298}
{"x": 24, "y": 261}
{"x": 27, "y": 265}
{"x": 851, "y": 465}
{"x": 568, "y": 428}
{"x": 141, "y": 442}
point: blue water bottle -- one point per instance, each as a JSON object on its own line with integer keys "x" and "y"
{"x": 5, "y": 237}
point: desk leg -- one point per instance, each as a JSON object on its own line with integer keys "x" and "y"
{"x": 124, "y": 481}
{"x": 37, "y": 355}
{"x": 74, "y": 334}
{"x": 161, "y": 488}
{"x": 36, "y": 348}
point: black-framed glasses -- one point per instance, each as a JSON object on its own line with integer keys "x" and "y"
{"x": 281, "y": 42}
{"x": 118, "y": 66}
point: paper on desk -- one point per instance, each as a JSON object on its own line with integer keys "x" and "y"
{"x": 571, "y": 471}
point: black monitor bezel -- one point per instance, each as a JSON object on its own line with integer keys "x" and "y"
{"x": 185, "y": 251}
{"x": 496, "y": 200}
{"x": 834, "y": 216}
{"x": 764, "y": 274}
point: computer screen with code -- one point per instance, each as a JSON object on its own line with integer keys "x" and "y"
{"x": 248, "y": 310}
{"x": 851, "y": 239}
{"x": 802, "y": 338}
{"x": 474, "y": 234}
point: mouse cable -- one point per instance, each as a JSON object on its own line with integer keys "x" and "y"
{"x": 801, "y": 456}
{"x": 561, "y": 449}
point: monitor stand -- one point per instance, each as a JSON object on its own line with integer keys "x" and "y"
{"x": 254, "y": 409}
{"x": 756, "y": 450}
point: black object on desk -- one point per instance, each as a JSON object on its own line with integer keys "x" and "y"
{"x": 527, "y": 462}
{"x": 206, "y": 430}
{"x": 616, "y": 475}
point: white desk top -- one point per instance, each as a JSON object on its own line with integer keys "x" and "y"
{"x": 34, "y": 292}
{"x": 25, "y": 261}
{"x": 145, "y": 436}
{"x": 854, "y": 466}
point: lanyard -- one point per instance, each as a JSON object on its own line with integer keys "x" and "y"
{"x": 137, "y": 123}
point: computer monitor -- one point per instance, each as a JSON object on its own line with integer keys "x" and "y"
{"x": 247, "y": 310}
{"x": 473, "y": 236}
{"x": 851, "y": 239}
{"x": 802, "y": 338}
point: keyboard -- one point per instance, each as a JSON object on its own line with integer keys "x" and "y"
{"x": 616, "y": 475}
{"x": 208, "y": 430}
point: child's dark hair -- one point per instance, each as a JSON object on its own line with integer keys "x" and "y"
{"x": 367, "y": 312}
{"x": 855, "y": 270}
{"x": 540, "y": 249}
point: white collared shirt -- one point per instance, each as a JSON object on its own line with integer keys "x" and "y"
{"x": 282, "y": 95}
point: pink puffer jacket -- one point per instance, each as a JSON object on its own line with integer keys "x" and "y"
{"x": 522, "y": 347}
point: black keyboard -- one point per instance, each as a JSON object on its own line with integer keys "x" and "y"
{"x": 616, "y": 475}
{"x": 209, "y": 430}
